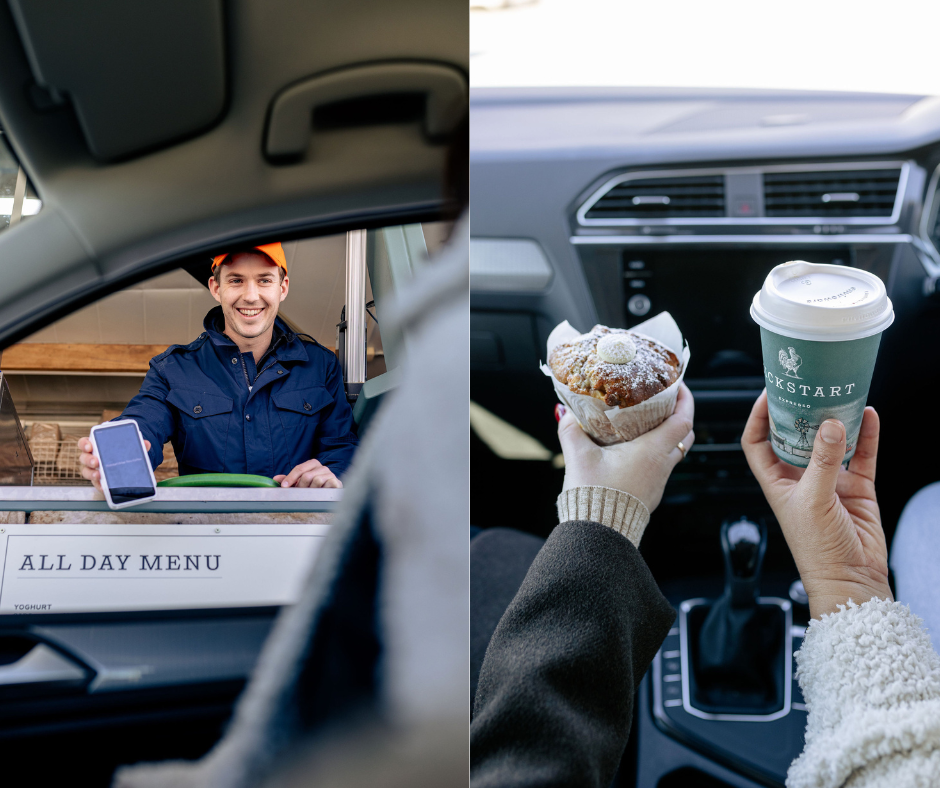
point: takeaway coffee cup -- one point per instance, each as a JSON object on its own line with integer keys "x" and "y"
{"x": 820, "y": 327}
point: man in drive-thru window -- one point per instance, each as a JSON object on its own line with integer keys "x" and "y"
{"x": 248, "y": 395}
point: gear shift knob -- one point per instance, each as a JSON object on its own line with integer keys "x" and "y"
{"x": 743, "y": 544}
{"x": 736, "y": 643}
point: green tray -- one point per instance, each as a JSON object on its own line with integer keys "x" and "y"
{"x": 219, "y": 480}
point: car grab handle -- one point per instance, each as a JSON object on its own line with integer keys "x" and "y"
{"x": 291, "y": 114}
{"x": 39, "y": 665}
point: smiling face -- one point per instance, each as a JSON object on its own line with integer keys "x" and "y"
{"x": 250, "y": 290}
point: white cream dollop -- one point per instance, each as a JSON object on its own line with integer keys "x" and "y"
{"x": 616, "y": 348}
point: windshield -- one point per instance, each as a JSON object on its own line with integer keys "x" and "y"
{"x": 799, "y": 45}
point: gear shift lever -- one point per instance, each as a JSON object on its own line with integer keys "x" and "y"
{"x": 743, "y": 544}
{"x": 736, "y": 644}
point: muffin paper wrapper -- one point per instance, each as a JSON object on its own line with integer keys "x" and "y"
{"x": 608, "y": 425}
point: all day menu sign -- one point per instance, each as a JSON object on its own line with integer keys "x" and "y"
{"x": 96, "y": 568}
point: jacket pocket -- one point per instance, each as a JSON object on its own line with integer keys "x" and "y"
{"x": 203, "y": 427}
{"x": 305, "y": 402}
{"x": 198, "y": 404}
{"x": 300, "y": 412}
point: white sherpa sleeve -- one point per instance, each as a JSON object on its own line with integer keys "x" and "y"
{"x": 871, "y": 681}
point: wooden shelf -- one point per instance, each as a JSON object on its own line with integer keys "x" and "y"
{"x": 46, "y": 358}
{"x": 33, "y": 357}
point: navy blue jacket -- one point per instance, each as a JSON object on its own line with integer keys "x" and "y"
{"x": 197, "y": 396}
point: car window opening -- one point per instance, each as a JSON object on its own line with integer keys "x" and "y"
{"x": 84, "y": 369}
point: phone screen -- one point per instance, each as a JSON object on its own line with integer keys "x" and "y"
{"x": 126, "y": 466}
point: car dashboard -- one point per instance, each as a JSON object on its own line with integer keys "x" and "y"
{"x": 613, "y": 205}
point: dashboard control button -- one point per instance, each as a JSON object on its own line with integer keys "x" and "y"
{"x": 672, "y": 691}
{"x": 638, "y": 305}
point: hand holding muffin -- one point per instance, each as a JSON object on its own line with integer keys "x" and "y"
{"x": 640, "y": 467}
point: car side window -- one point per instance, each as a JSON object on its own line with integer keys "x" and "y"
{"x": 83, "y": 369}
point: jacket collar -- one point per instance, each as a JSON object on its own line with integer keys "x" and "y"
{"x": 285, "y": 344}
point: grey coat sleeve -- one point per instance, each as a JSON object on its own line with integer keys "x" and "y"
{"x": 555, "y": 697}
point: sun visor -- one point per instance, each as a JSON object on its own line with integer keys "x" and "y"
{"x": 138, "y": 75}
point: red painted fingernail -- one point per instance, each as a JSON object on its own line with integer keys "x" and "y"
{"x": 560, "y": 411}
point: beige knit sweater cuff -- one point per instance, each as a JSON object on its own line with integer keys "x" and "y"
{"x": 616, "y": 509}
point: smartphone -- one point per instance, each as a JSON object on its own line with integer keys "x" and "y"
{"x": 126, "y": 476}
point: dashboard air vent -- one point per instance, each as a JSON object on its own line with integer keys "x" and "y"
{"x": 831, "y": 193}
{"x": 662, "y": 198}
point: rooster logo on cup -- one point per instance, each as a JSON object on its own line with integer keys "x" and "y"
{"x": 790, "y": 363}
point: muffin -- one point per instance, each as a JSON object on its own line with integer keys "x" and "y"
{"x": 618, "y": 384}
{"x": 616, "y": 366}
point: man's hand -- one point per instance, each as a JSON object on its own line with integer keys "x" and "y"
{"x": 309, "y": 474}
{"x": 829, "y": 515}
{"x": 89, "y": 462}
{"x": 640, "y": 467}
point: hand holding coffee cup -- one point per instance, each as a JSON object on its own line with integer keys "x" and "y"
{"x": 820, "y": 328}
{"x": 829, "y": 514}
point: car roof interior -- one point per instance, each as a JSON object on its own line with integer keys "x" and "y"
{"x": 143, "y": 168}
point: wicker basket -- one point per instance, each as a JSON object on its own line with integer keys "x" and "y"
{"x": 56, "y": 462}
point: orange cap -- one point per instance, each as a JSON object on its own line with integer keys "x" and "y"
{"x": 274, "y": 252}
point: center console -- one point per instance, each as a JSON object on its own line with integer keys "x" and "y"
{"x": 722, "y": 692}
{"x": 734, "y": 648}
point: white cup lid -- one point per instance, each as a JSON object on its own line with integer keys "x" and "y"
{"x": 824, "y": 303}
